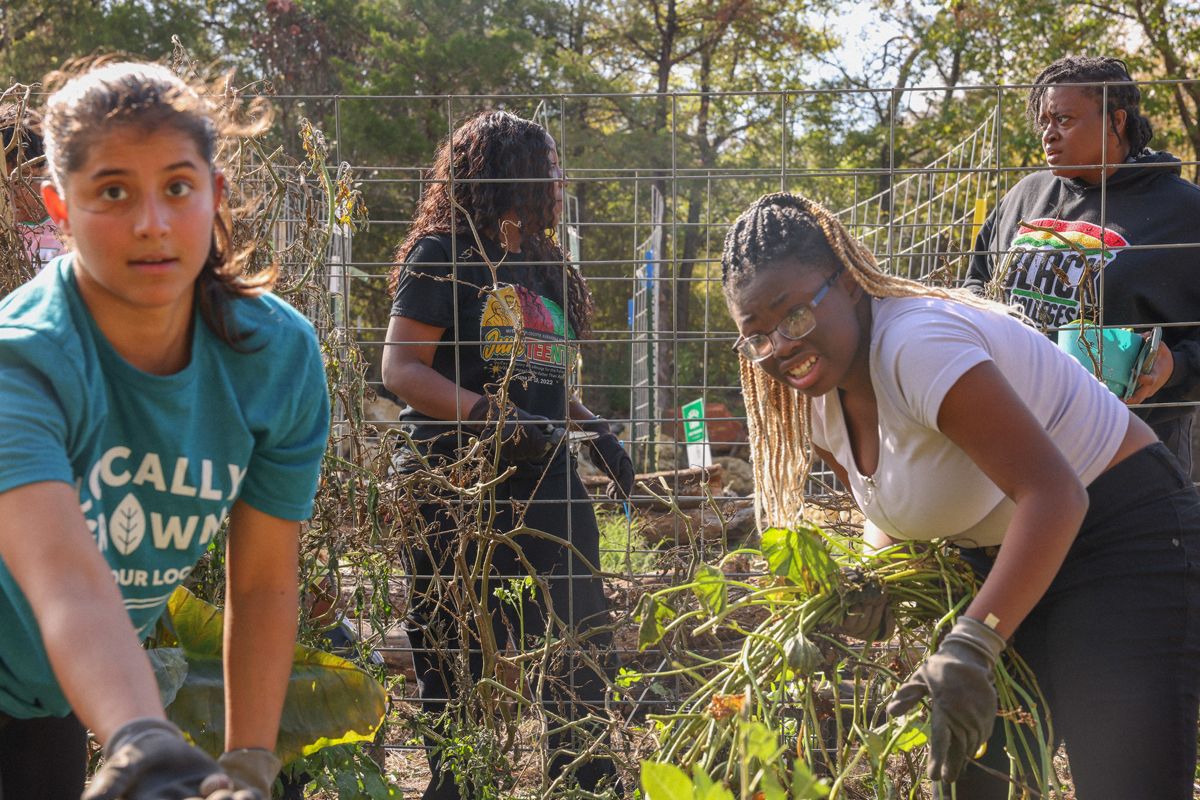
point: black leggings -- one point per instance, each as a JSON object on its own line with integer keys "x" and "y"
{"x": 1115, "y": 642}
{"x": 44, "y": 758}
{"x": 557, "y": 503}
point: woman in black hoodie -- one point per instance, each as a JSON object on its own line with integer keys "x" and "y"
{"x": 1131, "y": 218}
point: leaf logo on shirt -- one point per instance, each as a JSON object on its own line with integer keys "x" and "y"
{"x": 128, "y": 526}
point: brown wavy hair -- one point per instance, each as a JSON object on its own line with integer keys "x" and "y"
{"x": 496, "y": 162}
{"x": 99, "y": 94}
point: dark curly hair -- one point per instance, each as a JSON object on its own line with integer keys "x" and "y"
{"x": 1123, "y": 93}
{"x": 495, "y": 158}
{"x": 25, "y": 126}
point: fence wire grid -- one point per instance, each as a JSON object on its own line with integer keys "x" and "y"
{"x": 647, "y": 235}
{"x": 644, "y": 219}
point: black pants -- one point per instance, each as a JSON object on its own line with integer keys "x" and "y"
{"x": 1115, "y": 642}
{"x": 554, "y": 502}
{"x": 44, "y": 758}
{"x": 1176, "y": 434}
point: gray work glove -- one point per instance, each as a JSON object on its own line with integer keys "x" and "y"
{"x": 959, "y": 683}
{"x": 524, "y": 438}
{"x": 253, "y": 770}
{"x": 865, "y": 601}
{"x": 148, "y": 759}
{"x": 607, "y": 454}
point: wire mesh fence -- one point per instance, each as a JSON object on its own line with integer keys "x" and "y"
{"x": 646, "y": 229}
{"x": 645, "y": 217}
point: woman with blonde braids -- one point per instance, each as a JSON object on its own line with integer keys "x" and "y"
{"x": 1082, "y": 525}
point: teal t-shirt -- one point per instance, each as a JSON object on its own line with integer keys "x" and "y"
{"x": 158, "y": 460}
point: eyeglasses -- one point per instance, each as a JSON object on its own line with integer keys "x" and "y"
{"x": 799, "y": 322}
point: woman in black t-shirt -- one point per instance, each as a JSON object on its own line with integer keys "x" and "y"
{"x": 450, "y": 357}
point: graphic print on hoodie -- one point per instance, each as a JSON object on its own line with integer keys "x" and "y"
{"x": 1053, "y": 267}
{"x": 1139, "y": 232}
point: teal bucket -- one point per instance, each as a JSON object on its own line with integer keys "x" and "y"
{"x": 1111, "y": 354}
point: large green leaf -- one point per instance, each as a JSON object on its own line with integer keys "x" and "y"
{"x": 805, "y": 785}
{"x": 799, "y": 554}
{"x": 706, "y": 788}
{"x": 329, "y": 700}
{"x": 711, "y": 589}
{"x": 665, "y": 782}
{"x": 171, "y": 669}
{"x": 760, "y": 742}
{"x": 653, "y": 616}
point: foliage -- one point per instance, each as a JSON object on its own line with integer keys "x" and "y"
{"x": 795, "y": 710}
{"x": 406, "y": 71}
{"x": 344, "y": 771}
{"x": 622, "y": 548}
{"x": 715, "y": 101}
{"x": 329, "y": 700}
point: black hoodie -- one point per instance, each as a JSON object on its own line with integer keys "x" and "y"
{"x": 1147, "y": 242}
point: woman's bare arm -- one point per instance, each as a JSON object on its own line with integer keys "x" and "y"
{"x": 408, "y": 371}
{"x": 260, "y": 624}
{"x": 983, "y": 415}
{"x": 93, "y": 648}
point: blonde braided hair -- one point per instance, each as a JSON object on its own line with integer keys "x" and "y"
{"x": 775, "y": 229}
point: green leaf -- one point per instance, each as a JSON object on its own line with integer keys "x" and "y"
{"x": 665, "y": 782}
{"x": 653, "y": 617}
{"x": 707, "y": 788}
{"x": 701, "y": 780}
{"x": 914, "y": 735}
{"x": 799, "y": 555}
{"x": 329, "y": 700}
{"x": 711, "y": 589}
{"x": 760, "y": 742}
{"x": 805, "y": 785}
{"x": 627, "y": 677}
{"x": 772, "y": 789}
{"x": 347, "y": 785}
{"x": 715, "y": 791}
{"x": 170, "y": 670}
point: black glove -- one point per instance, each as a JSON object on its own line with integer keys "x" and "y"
{"x": 958, "y": 681}
{"x": 524, "y": 437}
{"x": 253, "y": 770}
{"x": 607, "y": 454}
{"x": 865, "y": 603}
{"x": 148, "y": 759}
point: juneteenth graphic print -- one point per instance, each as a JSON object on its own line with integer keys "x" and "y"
{"x": 547, "y": 351}
{"x": 1053, "y": 267}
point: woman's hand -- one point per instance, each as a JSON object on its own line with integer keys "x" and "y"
{"x": 607, "y": 454}
{"x": 524, "y": 438}
{"x": 148, "y": 759}
{"x": 958, "y": 681}
{"x": 1149, "y": 383}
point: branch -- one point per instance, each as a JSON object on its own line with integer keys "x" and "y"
{"x": 1107, "y": 9}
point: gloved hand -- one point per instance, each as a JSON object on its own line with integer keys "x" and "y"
{"x": 865, "y": 601}
{"x": 958, "y": 680}
{"x": 607, "y": 454}
{"x": 253, "y": 770}
{"x": 148, "y": 759}
{"x": 524, "y": 437}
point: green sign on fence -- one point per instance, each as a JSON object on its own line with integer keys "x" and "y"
{"x": 696, "y": 434}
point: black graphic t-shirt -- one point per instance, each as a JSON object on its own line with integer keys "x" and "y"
{"x": 480, "y": 321}
{"x": 1063, "y": 249}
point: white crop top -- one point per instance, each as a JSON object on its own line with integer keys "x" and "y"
{"x": 925, "y": 487}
